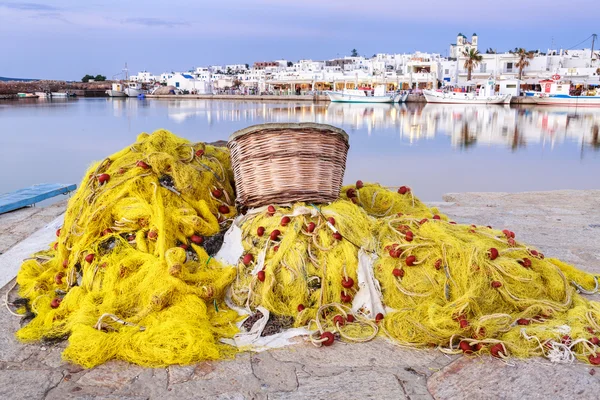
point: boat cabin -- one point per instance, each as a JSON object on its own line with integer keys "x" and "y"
{"x": 552, "y": 87}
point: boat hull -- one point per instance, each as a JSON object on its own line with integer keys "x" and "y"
{"x": 401, "y": 98}
{"x": 130, "y": 92}
{"x": 463, "y": 98}
{"x": 115, "y": 93}
{"x": 339, "y": 97}
{"x": 569, "y": 101}
{"x": 59, "y": 95}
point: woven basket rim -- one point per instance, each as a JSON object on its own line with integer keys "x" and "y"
{"x": 289, "y": 125}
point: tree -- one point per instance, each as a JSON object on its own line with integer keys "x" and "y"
{"x": 473, "y": 58}
{"x": 490, "y": 51}
{"x": 87, "y": 78}
{"x": 524, "y": 57}
{"x": 247, "y": 66}
{"x": 290, "y": 64}
{"x": 100, "y": 78}
{"x": 354, "y": 53}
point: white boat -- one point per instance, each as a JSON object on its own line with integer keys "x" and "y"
{"x": 401, "y": 97}
{"x": 42, "y": 95}
{"x": 59, "y": 95}
{"x": 116, "y": 91}
{"x": 362, "y": 96}
{"x": 486, "y": 95}
{"x": 134, "y": 89}
{"x": 567, "y": 100}
{"x": 557, "y": 93}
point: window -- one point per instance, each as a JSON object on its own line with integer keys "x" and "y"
{"x": 446, "y": 71}
{"x": 511, "y": 86}
{"x": 483, "y": 67}
{"x": 176, "y": 84}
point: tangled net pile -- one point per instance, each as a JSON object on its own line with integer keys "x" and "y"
{"x": 131, "y": 276}
{"x": 128, "y": 277}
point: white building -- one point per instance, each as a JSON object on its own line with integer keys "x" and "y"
{"x": 165, "y": 76}
{"x": 144, "y": 77}
{"x": 216, "y": 68}
{"x": 235, "y": 68}
{"x": 184, "y": 81}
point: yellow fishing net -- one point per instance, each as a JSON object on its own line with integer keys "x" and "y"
{"x": 128, "y": 277}
{"x": 137, "y": 284}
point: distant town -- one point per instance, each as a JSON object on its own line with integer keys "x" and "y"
{"x": 466, "y": 63}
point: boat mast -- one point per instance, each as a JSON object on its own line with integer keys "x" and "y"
{"x": 594, "y": 36}
{"x": 126, "y": 72}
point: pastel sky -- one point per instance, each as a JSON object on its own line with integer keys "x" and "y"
{"x": 66, "y": 39}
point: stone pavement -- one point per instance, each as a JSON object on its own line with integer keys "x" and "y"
{"x": 563, "y": 224}
{"x": 20, "y": 224}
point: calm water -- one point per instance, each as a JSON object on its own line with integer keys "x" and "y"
{"x": 435, "y": 149}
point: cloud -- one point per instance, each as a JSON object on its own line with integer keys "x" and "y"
{"x": 29, "y": 6}
{"x": 155, "y": 22}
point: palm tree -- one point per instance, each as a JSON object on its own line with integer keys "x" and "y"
{"x": 524, "y": 57}
{"x": 473, "y": 59}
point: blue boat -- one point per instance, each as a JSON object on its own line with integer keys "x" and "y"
{"x": 32, "y": 195}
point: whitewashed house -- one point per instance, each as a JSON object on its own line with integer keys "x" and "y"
{"x": 185, "y": 81}
{"x": 143, "y": 77}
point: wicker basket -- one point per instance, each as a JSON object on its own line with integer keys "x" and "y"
{"x": 284, "y": 163}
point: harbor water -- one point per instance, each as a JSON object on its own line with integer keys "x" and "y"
{"x": 434, "y": 149}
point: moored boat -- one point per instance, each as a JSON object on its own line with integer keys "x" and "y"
{"x": 557, "y": 93}
{"x": 377, "y": 95}
{"x": 567, "y": 100}
{"x": 59, "y": 95}
{"x": 464, "y": 98}
{"x": 401, "y": 97}
{"x": 134, "y": 89}
{"x": 116, "y": 91}
{"x": 485, "y": 95}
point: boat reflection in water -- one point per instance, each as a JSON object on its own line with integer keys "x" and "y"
{"x": 467, "y": 126}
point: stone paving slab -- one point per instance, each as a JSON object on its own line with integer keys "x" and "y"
{"x": 20, "y": 224}
{"x": 559, "y": 223}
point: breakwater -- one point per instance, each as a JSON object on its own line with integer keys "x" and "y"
{"x": 86, "y": 89}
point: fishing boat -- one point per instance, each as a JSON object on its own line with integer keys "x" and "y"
{"x": 116, "y": 90}
{"x": 485, "y": 95}
{"x": 42, "y": 95}
{"x": 362, "y": 95}
{"x": 557, "y": 93}
{"x": 59, "y": 95}
{"x": 567, "y": 100}
{"x": 134, "y": 89}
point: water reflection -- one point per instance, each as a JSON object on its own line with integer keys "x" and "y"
{"x": 435, "y": 149}
{"x": 467, "y": 125}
